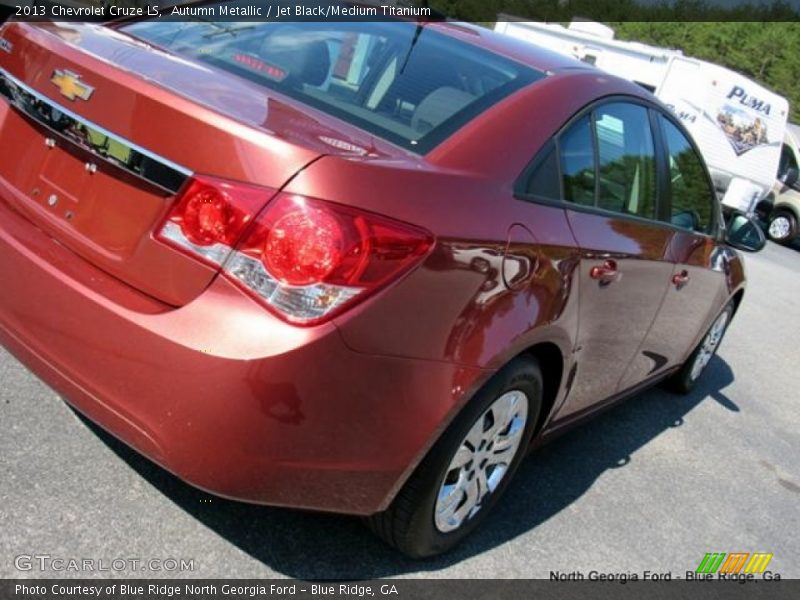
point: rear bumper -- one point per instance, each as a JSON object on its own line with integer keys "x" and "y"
{"x": 220, "y": 392}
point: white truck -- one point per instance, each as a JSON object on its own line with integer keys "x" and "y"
{"x": 737, "y": 124}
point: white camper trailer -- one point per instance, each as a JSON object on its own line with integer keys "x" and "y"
{"x": 737, "y": 124}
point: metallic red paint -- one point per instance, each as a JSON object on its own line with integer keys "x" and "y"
{"x": 189, "y": 370}
{"x": 245, "y": 406}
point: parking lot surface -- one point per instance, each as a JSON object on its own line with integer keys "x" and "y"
{"x": 653, "y": 484}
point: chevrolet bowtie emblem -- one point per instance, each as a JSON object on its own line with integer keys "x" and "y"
{"x": 70, "y": 86}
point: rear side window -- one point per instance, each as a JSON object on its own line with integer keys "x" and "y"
{"x": 545, "y": 182}
{"x": 626, "y": 160}
{"x": 576, "y": 155}
{"x": 691, "y": 192}
{"x": 400, "y": 80}
{"x": 605, "y": 159}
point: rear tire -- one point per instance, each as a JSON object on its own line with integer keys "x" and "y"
{"x": 690, "y": 372}
{"x": 782, "y": 226}
{"x": 467, "y": 470}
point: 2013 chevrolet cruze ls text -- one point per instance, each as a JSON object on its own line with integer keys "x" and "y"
{"x": 357, "y": 266}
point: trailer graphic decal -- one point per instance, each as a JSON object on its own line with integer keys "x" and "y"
{"x": 743, "y": 130}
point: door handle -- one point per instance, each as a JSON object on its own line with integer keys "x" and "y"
{"x": 680, "y": 279}
{"x": 605, "y": 273}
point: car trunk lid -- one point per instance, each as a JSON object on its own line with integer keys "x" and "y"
{"x": 99, "y": 132}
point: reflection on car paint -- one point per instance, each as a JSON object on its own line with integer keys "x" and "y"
{"x": 104, "y": 145}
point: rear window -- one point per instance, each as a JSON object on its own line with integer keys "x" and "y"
{"x": 399, "y": 80}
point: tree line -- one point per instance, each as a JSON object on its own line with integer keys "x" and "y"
{"x": 760, "y": 41}
{"x": 767, "y": 52}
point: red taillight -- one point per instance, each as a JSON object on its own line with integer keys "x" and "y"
{"x": 210, "y": 215}
{"x": 305, "y": 259}
{"x": 259, "y": 65}
{"x": 206, "y": 216}
{"x": 308, "y": 259}
{"x": 303, "y": 246}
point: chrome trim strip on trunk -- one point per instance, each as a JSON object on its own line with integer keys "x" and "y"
{"x": 94, "y": 139}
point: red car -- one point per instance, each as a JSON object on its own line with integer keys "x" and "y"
{"x": 348, "y": 266}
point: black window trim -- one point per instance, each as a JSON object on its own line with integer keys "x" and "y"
{"x": 664, "y": 209}
{"x": 663, "y": 189}
{"x": 596, "y": 156}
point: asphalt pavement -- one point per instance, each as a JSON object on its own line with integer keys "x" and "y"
{"x": 653, "y": 484}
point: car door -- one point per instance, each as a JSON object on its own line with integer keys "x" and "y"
{"x": 697, "y": 289}
{"x": 607, "y": 164}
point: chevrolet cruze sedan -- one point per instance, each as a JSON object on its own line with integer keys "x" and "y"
{"x": 348, "y": 266}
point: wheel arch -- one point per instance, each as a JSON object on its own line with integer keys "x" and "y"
{"x": 786, "y": 206}
{"x": 550, "y": 358}
{"x": 551, "y": 364}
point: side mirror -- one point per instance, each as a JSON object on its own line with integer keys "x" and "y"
{"x": 745, "y": 234}
{"x": 790, "y": 177}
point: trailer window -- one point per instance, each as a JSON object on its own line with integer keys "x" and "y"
{"x": 692, "y": 195}
{"x": 788, "y": 161}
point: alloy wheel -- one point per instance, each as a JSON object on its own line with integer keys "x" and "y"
{"x": 481, "y": 461}
{"x": 779, "y": 227}
{"x": 710, "y": 344}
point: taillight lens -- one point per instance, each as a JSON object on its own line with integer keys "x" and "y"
{"x": 303, "y": 246}
{"x": 305, "y": 259}
{"x": 308, "y": 259}
{"x": 210, "y": 215}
